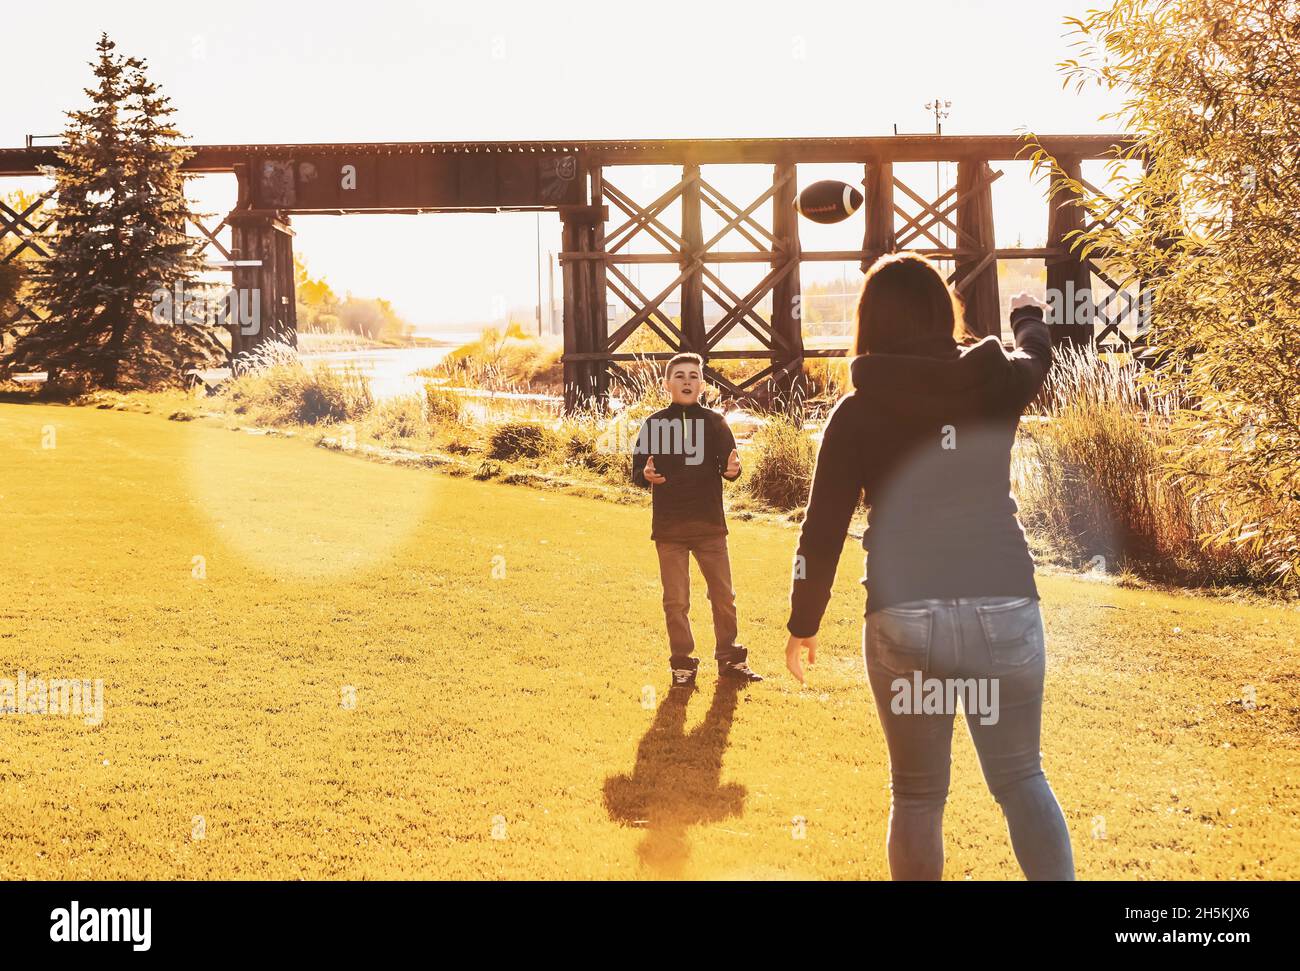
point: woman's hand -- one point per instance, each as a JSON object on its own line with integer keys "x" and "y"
{"x": 794, "y": 654}
{"x": 1026, "y": 299}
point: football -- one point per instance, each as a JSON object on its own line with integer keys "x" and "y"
{"x": 828, "y": 201}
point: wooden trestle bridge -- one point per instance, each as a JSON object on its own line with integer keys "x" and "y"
{"x": 579, "y": 180}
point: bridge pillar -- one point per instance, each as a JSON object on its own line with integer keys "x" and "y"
{"x": 787, "y": 310}
{"x": 976, "y": 273}
{"x": 692, "y": 292}
{"x": 263, "y": 306}
{"x": 878, "y": 237}
{"x": 1067, "y": 276}
{"x": 263, "y": 239}
{"x": 585, "y": 339}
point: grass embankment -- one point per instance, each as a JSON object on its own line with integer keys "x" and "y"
{"x": 500, "y": 642}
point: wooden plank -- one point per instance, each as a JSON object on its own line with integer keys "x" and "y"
{"x": 635, "y": 320}
{"x": 755, "y": 354}
{"x": 878, "y": 235}
{"x": 599, "y": 308}
{"x": 896, "y": 148}
{"x": 723, "y": 213}
{"x": 692, "y": 247}
{"x": 908, "y": 230}
{"x": 573, "y": 367}
{"x": 1070, "y": 275}
{"x": 709, "y": 190}
{"x": 977, "y": 275}
{"x": 769, "y": 193}
{"x": 787, "y": 310}
{"x": 760, "y": 332}
{"x": 656, "y": 320}
{"x": 765, "y": 333}
{"x": 754, "y": 295}
{"x": 642, "y": 217}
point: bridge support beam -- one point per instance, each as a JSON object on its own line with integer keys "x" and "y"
{"x": 878, "y": 200}
{"x": 264, "y": 306}
{"x": 976, "y": 272}
{"x": 263, "y": 239}
{"x": 1068, "y": 276}
{"x": 787, "y": 297}
{"x": 582, "y": 235}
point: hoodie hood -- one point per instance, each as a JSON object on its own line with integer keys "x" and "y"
{"x": 959, "y": 381}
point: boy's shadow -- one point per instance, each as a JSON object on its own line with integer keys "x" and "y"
{"x": 675, "y": 783}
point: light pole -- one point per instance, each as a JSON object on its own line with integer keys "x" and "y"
{"x": 537, "y": 265}
{"x": 940, "y": 109}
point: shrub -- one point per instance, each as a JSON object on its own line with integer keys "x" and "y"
{"x": 780, "y": 459}
{"x": 273, "y": 385}
{"x": 399, "y": 418}
{"x": 827, "y": 377}
{"x": 504, "y": 361}
{"x": 442, "y": 405}
{"x": 1092, "y": 479}
{"x": 519, "y": 439}
{"x": 584, "y": 444}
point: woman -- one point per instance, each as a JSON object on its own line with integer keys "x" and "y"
{"x": 926, "y": 434}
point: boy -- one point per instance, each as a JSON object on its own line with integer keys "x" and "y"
{"x": 682, "y": 454}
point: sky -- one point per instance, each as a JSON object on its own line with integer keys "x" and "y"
{"x": 382, "y": 70}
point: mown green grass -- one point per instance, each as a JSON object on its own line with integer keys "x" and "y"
{"x": 521, "y": 699}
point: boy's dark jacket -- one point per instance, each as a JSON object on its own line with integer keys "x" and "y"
{"x": 689, "y": 504}
{"x": 927, "y": 437}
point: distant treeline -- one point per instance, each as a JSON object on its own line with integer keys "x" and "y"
{"x": 320, "y": 309}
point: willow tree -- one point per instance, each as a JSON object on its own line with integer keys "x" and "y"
{"x": 119, "y": 243}
{"x": 1210, "y": 191}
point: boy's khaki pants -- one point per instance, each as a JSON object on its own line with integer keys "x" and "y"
{"x": 674, "y": 570}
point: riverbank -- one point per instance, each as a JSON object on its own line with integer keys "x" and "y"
{"x": 317, "y": 342}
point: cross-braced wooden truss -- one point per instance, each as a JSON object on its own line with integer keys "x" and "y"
{"x": 33, "y": 236}
{"x": 596, "y": 258}
{"x": 38, "y": 238}
{"x": 778, "y": 338}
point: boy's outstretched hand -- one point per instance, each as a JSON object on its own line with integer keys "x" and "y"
{"x": 794, "y": 654}
{"x": 651, "y": 476}
{"x": 733, "y": 465}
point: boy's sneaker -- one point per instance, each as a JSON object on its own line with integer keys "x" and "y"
{"x": 733, "y": 667}
{"x": 737, "y": 671}
{"x": 684, "y": 677}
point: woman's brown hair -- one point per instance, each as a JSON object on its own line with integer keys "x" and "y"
{"x": 906, "y": 307}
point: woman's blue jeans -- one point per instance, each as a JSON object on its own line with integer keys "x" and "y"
{"x": 989, "y": 651}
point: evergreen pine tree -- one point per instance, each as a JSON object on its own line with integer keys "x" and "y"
{"x": 121, "y": 213}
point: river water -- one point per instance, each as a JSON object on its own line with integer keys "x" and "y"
{"x": 390, "y": 370}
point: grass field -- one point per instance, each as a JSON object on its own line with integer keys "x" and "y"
{"x": 505, "y": 650}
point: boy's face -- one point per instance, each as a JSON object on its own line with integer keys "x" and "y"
{"x": 684, "y": 383}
